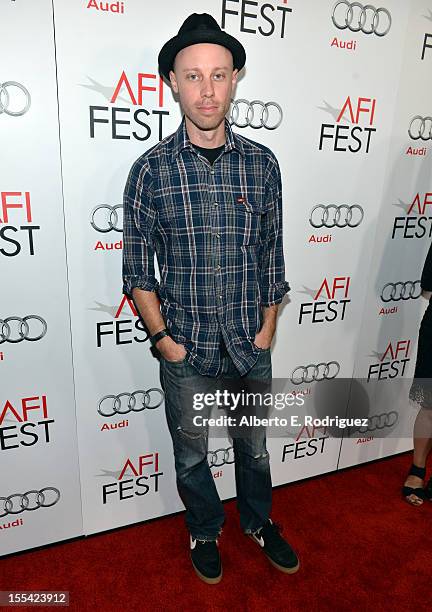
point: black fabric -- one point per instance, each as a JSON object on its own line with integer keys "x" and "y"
{"x": 426, "y": 277}
{"x": 421, "y": 389}
{"x": 199, "y": 28}
{"x": 210, "y": 154}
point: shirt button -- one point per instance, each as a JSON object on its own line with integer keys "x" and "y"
{"x": 220, "y": 297}
{"x": 216, "y": 203}
{"x": 217, "y": 268}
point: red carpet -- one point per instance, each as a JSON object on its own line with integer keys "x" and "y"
{"x": 360, "y": 545}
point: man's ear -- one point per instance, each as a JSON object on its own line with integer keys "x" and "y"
{"x": 173, "y": 80}
{"x": 234, "y": 75}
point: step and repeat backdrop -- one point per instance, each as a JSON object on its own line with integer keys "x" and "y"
{"x": 340, "y": 91}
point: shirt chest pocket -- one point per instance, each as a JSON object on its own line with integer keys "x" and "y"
{"x": 247, "y": 222}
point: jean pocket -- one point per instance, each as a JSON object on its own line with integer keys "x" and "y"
{"x": 175, "y": 362}
{"x": 262, "y": 350}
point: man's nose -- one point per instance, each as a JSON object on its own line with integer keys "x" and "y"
{"x": 207, "y": 87}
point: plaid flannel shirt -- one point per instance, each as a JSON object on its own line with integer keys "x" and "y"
{"x": 217, "y": 234}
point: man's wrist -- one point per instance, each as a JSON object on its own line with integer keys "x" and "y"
{"x": 268, "y": 328}
{"x": 155, "y": 338}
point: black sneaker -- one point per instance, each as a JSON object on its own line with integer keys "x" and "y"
{"x": 206, "y": 560}
{"x": 278, "y": 551}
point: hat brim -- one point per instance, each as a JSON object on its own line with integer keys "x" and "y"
{"x": 177, "y": 43}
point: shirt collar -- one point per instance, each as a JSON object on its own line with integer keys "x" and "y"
{"x": 181, "y": 140}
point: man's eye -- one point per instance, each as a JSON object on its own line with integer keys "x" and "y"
{"x": 191, "y": 76}
{"x": 219, "y": 74}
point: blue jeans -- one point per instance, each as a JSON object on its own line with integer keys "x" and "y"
{"x": 195, "y": 482}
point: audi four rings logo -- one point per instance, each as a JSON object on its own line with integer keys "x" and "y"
{"x": 394, "y": 292}
{"x": 420, "y": 127}
{"x": 17, "y": 329}
{"x": 359, "y": 18}
{"x": 108, "y": 220}
{"x": 380, "y": 421}
{"x": 11, "y": 101}
{"x": 336, "y": 216}
{"x": 311, "y": 372}
{"x": 221, "y": 456}
{"x": 123, "y": 403}
{"x": 255, "y": 114}
{"x": 24, "y": 502}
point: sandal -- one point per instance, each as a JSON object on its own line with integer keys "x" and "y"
{"x": 428, "y": 490}
{"x": 419, "y": 492}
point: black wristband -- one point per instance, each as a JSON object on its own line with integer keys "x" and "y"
{"x": 159, "y": 335}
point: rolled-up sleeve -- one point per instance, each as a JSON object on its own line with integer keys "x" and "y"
{"x": 138, "y": 226}
{"x": 273, "y": 285}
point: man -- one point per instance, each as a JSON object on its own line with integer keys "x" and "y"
{"x": 208, "y": 202}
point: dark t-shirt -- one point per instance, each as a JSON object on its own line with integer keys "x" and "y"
{"x": 210, "y": 154}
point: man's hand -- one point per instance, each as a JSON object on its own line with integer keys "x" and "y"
{"x": 264, "y": 337}
{"x": 170, "y": 349}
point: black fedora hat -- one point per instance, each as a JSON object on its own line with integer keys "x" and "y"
{"x": 199, "y": 28}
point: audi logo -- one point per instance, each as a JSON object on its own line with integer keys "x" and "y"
{"x": 359, "y": 18}
{"x": 110, "y": 405}
{"x": 255, "y": 110}
{"x": 379, "y": 421}
{"x": 107, "y": 221}
{"x": 420, "y": 127}
{"x": 311, "y": 372}
{"x": 394, "y": 292}
{"x": 336, "y": 216}
{"x": 10, "y": 97}
{"x": 221, "y": 456}
{"x": 24, "y": 501}
{"x": 17, "y": 329}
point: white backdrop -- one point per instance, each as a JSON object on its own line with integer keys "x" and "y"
{"x": 346, "y": 102}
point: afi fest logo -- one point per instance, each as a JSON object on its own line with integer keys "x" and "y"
{"x": 24, "y": 422}
{"x": 134, "y": 480}
{"x": 258, "y": 18}
{"x": 16, "y": 224}
{"x": 392, "y": 362}
{"x": 143, "y": 91}
{"x": 417, "y": 221}
{"x": 124, "y": 326}
{"x": 427, "y": 40}
{"x": 328, "y": 303}
{"x": 308, "y": 447}
{"x": 354, "y": 138}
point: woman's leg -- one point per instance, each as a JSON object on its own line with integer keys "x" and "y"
{"x": 422, "y": 447}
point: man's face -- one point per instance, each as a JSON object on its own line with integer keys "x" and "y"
{"x": 204, "y": 79}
